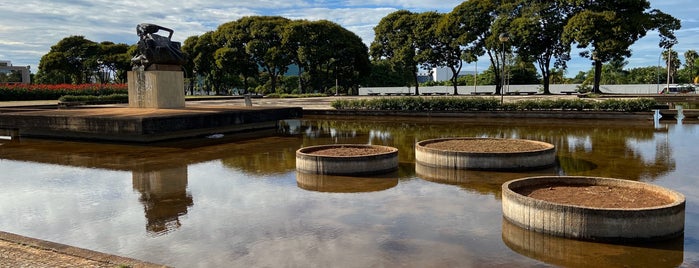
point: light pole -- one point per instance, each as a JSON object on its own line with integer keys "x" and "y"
{"x": 504, "y": 37}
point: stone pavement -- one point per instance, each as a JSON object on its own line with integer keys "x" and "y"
{"x": 21, "y": 251}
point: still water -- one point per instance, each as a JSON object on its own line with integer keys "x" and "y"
{"x": 231, "y": 202}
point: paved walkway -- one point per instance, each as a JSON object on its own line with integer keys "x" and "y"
{"x": 21, "y": 251}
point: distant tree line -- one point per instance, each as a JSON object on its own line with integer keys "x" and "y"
{"x": 256, "y": 53}
{"x": 540, "y": 32}
{"x": 76, "y": 60}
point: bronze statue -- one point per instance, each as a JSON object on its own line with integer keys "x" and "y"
{"x": 156, "y": 49}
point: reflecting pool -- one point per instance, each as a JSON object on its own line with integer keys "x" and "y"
{"x": 231, "y": 202}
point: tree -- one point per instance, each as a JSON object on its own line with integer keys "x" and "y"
{"x": 643, "y": 75}
{"x": 672, "y": 63}
{"x": 395, "y": 42}
{"x": 262, "y": 36}
{"x": 607, "y": 28}
{"x": 522, "y": 72}
{"x": 74, "y": 59}
{"x": 232, "y": 58}
{"x": 188, "y": 49}
{"x": 202, "y": 54}
{"x": 327, "y": 53}
{"x": 690, "y": 58}
{"x": 382, "y": 75}
{"x": 536, "y": 31}
{"x": 476, "y": 23}
{"x": 114, "y": 61}
{"x": 614, "y": 73}
{"x": 438, "y": 43}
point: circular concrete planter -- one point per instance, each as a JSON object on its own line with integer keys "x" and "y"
{"x": 563, "y": 252}
{"x": 378, "y": 163}
{"x": 591, "y": 223}
{"x": 510, "y": 160}
{"x": 343, "y": 184}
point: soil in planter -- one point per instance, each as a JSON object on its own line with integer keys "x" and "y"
{"x": 487, "y": 145}
{"x": 349, "y": 151}
{"x": 597, "y": 196}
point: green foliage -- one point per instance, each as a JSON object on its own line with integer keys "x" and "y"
{"x": 100, "y": 99}
{"x": 77, "y": 60}
{"x": 53, "y": 92}
{"x": 395, "y": 42}
{"x": 289, "y": 96}
{"x": 492, "y": 104}
{"x": 607, "y": 28}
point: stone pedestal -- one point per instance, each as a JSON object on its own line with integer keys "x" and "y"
{"x": 157, "y": 87}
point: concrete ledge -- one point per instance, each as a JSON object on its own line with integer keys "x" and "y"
{"x": 490, "y": 114}
{"x": 143, "y": 125}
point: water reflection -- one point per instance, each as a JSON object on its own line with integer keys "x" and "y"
{"x": 345, "y": 184}
{"x": 164, "y": 197}
{"x": 230, "y": 201}
{"x": 573, "y": 253}
{"x": 609, "y": 147}
{"x": 482, "y": 182}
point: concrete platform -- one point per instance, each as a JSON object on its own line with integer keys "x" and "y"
{"x": 140, "y": 124}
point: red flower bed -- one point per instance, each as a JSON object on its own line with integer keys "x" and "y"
{"x": 14, "y": 92}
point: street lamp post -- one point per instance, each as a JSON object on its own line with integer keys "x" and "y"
{"x": 504, "y": 37}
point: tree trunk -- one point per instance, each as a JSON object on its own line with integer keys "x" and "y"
{"x": 497, "y": 73}
{"x": 598, "y": 74}
{"x": 417, "y": 84}
{"x": 301, "y": 87}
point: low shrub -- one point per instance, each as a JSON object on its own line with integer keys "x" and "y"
{"x": 492, "y": 104}
{"x": 17, "y": 92}
{"x": 288, "y": 96}
{"x": 87, "y": 99}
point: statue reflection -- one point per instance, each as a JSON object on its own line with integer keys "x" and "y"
{"x": 164, "y": 197}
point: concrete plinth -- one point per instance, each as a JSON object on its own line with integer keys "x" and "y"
{"x": 160, "y": 89}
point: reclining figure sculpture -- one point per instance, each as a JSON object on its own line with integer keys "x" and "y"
{"x": 156, "y": 49}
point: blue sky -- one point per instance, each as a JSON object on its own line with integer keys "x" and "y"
{"x": 28, "y": 28}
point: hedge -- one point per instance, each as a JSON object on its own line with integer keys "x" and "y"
{"x": 19, "y": 92}
{"x": 492, "y": 104}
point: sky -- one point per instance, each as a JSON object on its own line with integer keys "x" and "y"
{"x": 28, "y": 28}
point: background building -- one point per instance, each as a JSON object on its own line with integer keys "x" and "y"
{"x": 13, "y": 74}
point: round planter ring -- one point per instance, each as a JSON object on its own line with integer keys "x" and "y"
{"x": 593, "y": 223}
{"x": 384, "y": 159}
{"x": 543, "y": 156}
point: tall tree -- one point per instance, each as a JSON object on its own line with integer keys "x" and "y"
{"x": 607, "y": 28}
{"x": 73, "y": 57}
{"x": 263, "y": 41}
{"x": 672, "y": 63}
{"x": 438, "y": 43}
{"x": 479, "y": 32}
{"x": 536, "y": 31}
{"x": 202, "y": 55}
{"x": 188, "y": 48}
{"x": 690, "y": 58}
{"x": 395, "y": 42}
{"x": 232, "y": 57}
{"x": 114, "y": 60}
